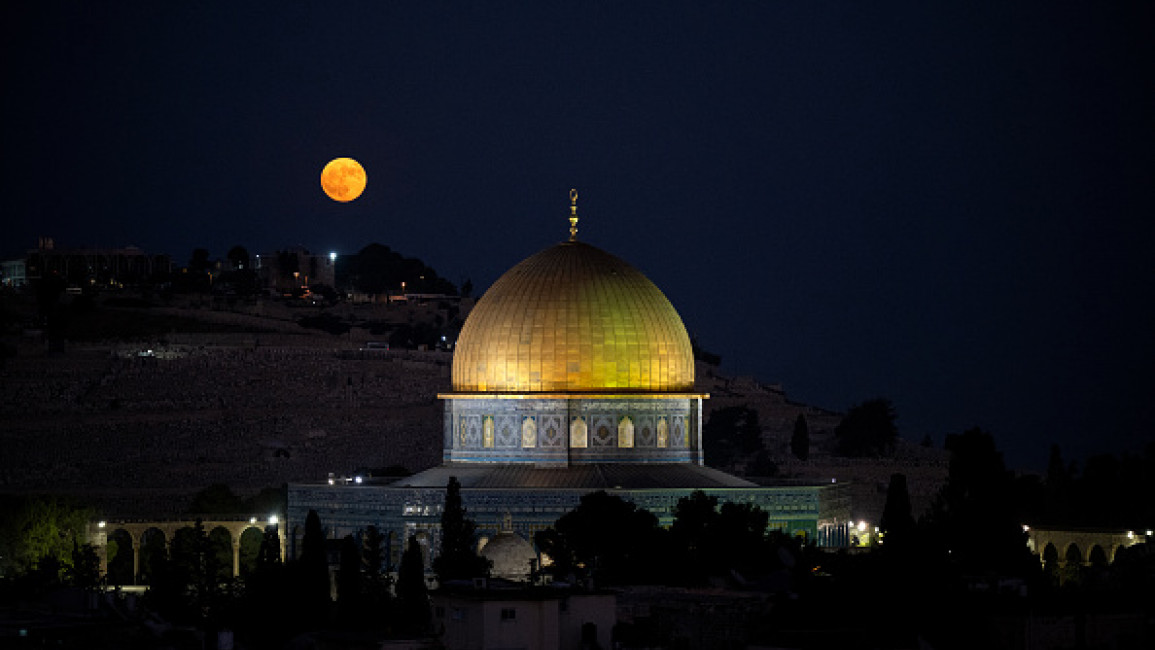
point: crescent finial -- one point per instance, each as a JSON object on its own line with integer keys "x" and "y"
{"x": 573, "y": 218}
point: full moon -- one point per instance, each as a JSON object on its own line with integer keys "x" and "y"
{"x": 343, "y": 179}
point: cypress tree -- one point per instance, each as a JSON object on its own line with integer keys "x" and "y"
{"x": 412, "y": 596}
{"x": 458, "y": 560}
{"x": 350, "y": 584}
{"x": 314, "y": 570}
{"x": 897, "y": 521}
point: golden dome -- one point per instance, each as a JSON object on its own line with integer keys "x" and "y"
{"x": 573, "y": 318}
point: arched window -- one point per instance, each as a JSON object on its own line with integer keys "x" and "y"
{"x": 626, "y": 433}
{"x": 578, "y": 433}
{"x": 528, "y": 432}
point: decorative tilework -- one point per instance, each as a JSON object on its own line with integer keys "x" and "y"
{"x": 616, "y": 430}
{"x": 603, "y": 437}
{"x": 553, "y": 428}
{"x": 508, "y": 431}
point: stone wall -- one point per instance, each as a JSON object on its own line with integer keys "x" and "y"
{"x": 202, "y": 412}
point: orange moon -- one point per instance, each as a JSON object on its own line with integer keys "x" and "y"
{"x": 343, "y": 179}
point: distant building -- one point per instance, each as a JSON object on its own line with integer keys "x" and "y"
{"x": 13, "y": 273}
{"x": 95, "y": 267}
{"x": 295, "y": 268}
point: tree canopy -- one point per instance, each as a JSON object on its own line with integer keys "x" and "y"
{"x": 377, "y": 269}
{"x": 867, "y": 429}
{"x": 730, "y": 435}
{"x": 605, "y": 537}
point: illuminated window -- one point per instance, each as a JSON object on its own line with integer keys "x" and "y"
{"x": 487, "y": 432}
{"x": 577, "y": 433}
{"x": 626, "y": 432}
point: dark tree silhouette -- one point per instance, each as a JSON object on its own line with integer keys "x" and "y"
{"x": 730, "y": 434}
{"x": 377, "y": 269}
{"x": 314, "y": 570}
{"x": 613, "y": 540}
{"x": 85, "y": 569}
{"x": 708, "y": 540}
{"x": 897, "y": 523}
{"x": 269, "y": 554}
{"x": 377, "y": 585}
{"x": 216, "y": 499}
{"x": 693, "y": 535}
{"x": 458, "y": 559}
{"x": 800, "y": 441}
{"x": 350, "y": 582}
{"x": 413, "y": 610}
{"x": 867, "y": 429}
{"x": 973, "y": 519}
{"x": 199, "y": 261}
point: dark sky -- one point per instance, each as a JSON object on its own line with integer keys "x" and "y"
{"x": 949, "y": 206}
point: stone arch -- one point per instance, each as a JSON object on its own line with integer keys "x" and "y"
{"x": 1050, "y": 559}
{"x": 1119, "y": 551}
{"x": 424, "y": 541}
{"x": 1097, "y": 557}
{"x": 221, "y": 546}
{"x": 248, "y": 548}
{"x": 1073, "y": 556}
{"x": 153, "y": 554}
{"x": 120, "y": 551}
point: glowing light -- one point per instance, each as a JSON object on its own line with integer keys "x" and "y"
{"x": 357, "y": 480}
{"x": 273, "y": 520}
{"x": 1148, "y": 532}
{"x": 252, "y": 520}
{"x": 1130, "y": 534}
{"x": 861, "y": 526}
{"x": 332, "y": 256}
{"x": 343, "y": 179}
{"x": 1026, "y": 528}
{"x": 102, "y": 524}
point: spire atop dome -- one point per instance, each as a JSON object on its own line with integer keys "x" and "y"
{"x": 573, "y": 218}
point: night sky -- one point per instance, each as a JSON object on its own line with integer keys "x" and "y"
{"x": 947, "y": 206}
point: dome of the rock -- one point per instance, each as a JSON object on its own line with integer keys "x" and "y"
{"x": 573, "y": 318}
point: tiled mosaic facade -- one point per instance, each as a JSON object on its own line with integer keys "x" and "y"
{"x": 561, "y": 431}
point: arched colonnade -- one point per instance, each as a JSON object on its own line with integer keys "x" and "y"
{"x": 100, "y": 534}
